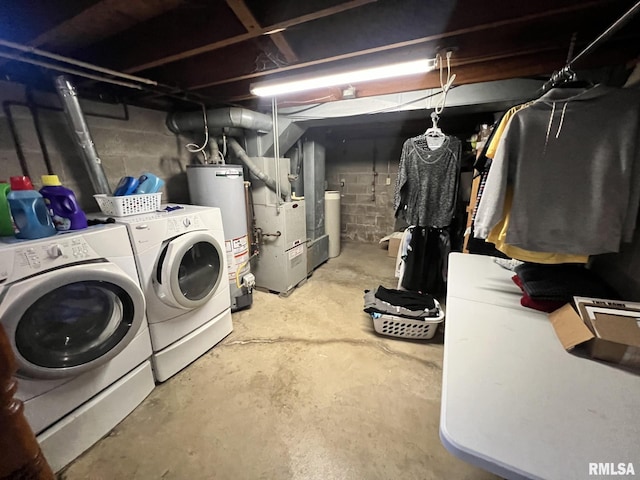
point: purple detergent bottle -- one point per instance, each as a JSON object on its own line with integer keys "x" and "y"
{"x": 62, "y": 205}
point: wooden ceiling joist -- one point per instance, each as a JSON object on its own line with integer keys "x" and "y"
{"x": 105, "y": 18}
{"x": 249, "y": 35}
{"x": 405, "y": 44}
{"x": 247, "y": 19}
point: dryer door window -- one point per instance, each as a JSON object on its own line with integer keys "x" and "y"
{"x": 74, "y": 324}
{"x": 189, "y": 270}
{"x": 199, "y": 271}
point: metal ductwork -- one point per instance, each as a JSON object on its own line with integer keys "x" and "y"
{"x": 233, "y": 117}
{"x": 239, "y": 152}
{"x": 80, "y": 133}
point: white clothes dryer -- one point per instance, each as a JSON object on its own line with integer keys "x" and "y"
{"x": 182, "y": 265}
{"x": 74, "y": 313}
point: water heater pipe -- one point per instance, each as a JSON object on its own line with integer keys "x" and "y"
{"x": 276, "y": 150}
{"x": 80, "y": 132}
{"x": 251, "y": 220}
{"x": 285, "y": 191}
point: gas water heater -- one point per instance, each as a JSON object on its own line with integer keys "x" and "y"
{"x": 222, "y": 186}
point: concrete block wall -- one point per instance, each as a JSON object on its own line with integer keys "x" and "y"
{"x": 129, "y": 141}
{"x": 359, "y": 169}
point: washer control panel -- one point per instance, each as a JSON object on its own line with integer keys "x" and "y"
{"x": 183, "y": 224}
{"x": 60, "y": 251}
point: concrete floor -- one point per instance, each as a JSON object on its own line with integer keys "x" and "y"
{"x": 302, "y": 389}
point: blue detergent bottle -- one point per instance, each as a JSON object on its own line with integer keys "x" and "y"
{"x": 62, "y": 204}
{"x": 30, "y": 214}
{"x": 148, "y": 183}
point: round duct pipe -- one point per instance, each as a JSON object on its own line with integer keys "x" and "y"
{"x": 285, "y": 190}
{"x": 80, "y": 132}
{"x": 232, "y": 117}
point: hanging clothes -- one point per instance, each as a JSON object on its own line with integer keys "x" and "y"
{"x": 573, "y": 160}
{"x": 402, "y": 255}
{"x": 499, "y": 130}
{"x": 498, "y": 235}
{"x": 427, "y": 184}
{"x": 426, "y": 263}
{"x": 481, "y": 165}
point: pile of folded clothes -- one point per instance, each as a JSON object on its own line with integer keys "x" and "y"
{"x": 549, "y": 287}
{"x": 400, "y": 303}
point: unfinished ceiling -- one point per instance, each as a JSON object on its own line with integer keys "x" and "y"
{"x": 217, "y": 48}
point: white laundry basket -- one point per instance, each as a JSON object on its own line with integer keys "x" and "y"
{"x": 394, "y": 326}
{"x": 128, "y": 204}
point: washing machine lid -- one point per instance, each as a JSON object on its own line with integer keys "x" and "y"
{"x": 189, "y": 270}
{"x": 71, "y": 320}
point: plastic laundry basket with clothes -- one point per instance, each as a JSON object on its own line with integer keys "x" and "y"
{"x": 404, "y": 314}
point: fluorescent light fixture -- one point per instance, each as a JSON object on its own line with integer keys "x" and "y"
{"x": 275, "y": 88}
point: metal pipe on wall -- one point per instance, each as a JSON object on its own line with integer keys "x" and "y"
{"x": 80, "y": 132}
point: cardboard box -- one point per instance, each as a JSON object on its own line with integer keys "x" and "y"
{"x": 394, "y": 245}
{"x": 393, "y": 240}
{"x": 611, "y": 334}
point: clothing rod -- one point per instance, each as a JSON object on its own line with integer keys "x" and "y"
{"x": 77, "y": 63}
{"x": 72, "y": 71}
{"x": 607, "y": 33}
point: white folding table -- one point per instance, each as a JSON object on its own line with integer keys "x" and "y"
{"x": 514, "y": 402}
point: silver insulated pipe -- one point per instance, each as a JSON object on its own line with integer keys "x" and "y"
{"x": 285, "y": 190}
{"x": 80, "y": 133}
{"x": 233, "y": 117}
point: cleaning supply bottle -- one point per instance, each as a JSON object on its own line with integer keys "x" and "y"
{"x": 6, "y": 223}
{"x": 30, "y": 214}
{"x": 126, "y": 186}
{"x": 149, "y": 183}
{"x": 62, "y": 204}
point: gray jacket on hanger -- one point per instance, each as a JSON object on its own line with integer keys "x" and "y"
{"x": 573, "y": 161}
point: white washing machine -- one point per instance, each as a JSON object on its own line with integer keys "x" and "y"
{"x": 74, "y": 312}
{"x": 182, "y": 265}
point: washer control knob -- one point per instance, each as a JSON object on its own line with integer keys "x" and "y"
{"x": 54, "y": 251}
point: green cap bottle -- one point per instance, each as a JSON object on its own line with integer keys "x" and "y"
{"x": 6, "y": 222}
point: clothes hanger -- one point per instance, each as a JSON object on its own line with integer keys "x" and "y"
{"x": 569, "y": 79}
{"x": 434, "y": 136}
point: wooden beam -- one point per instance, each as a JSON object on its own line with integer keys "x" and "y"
{"x": 243, "y": 13}
{"x": 104, "y": 19}
{"x": 247, "y": 19}
{"x": 249, "y": 35}
{"x": 408, "y": 43}
{"x": 285, "y": 48}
